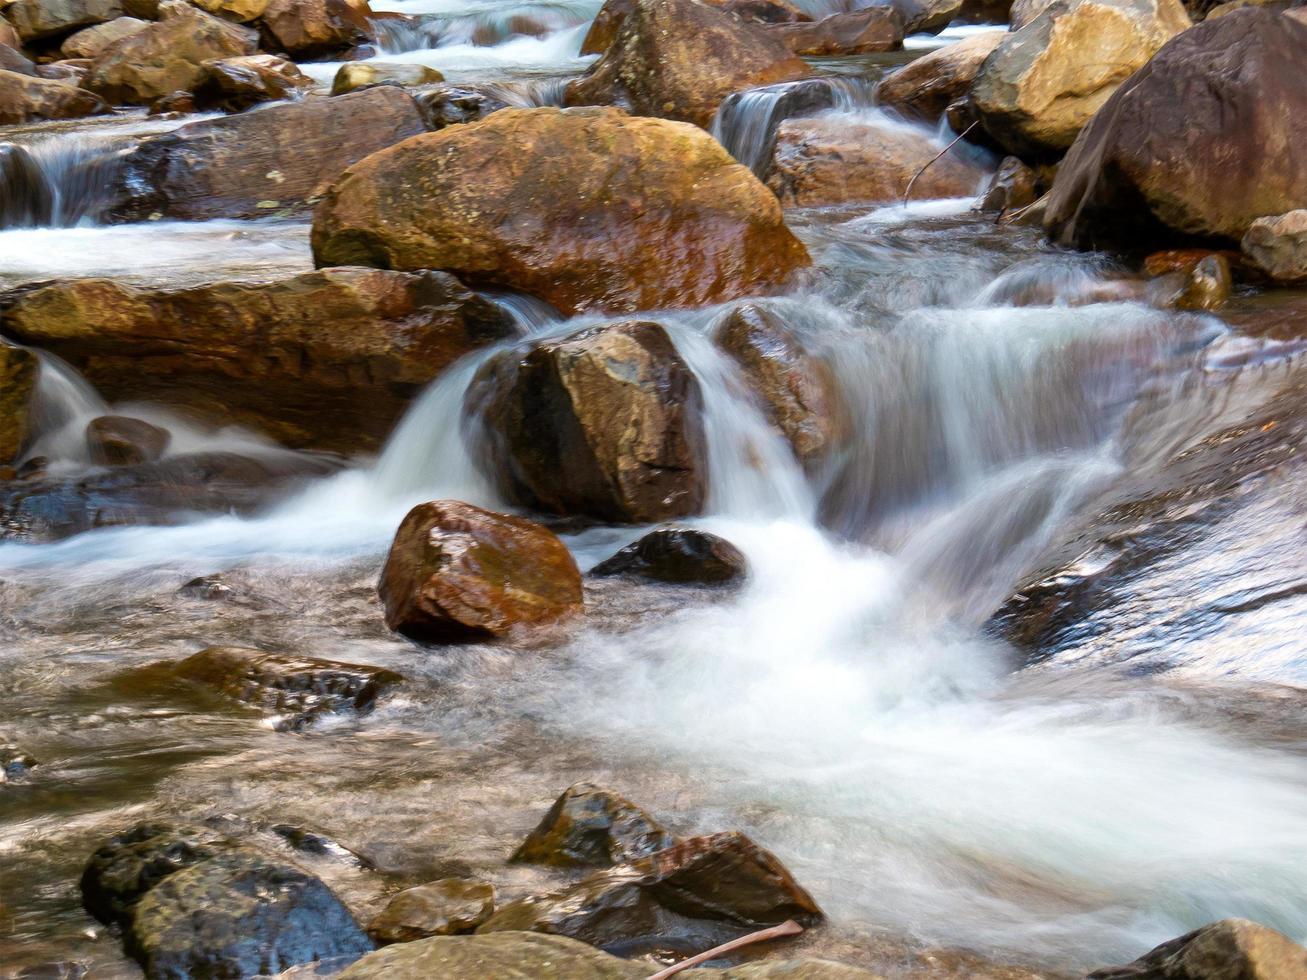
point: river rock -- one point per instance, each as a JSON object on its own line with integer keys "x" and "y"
{"x": 241, "y": 11}
{"x": 24, "y": 98}
{"x": 604, "y": 423}
{"x": 326, "y": 359}
{"x": 1232, "y": 948}
{"x": 11, "y": 59}
{"x": 871, "y": 29}
{"x": 924, "y": 87}
{"x": 245, "y": 165}
{"x": 1022, "y": 12}
{"x": 300, "y": 690}
{"x": 311, "y": 29}
{"x": 1278, "y": 245}
{"x": 503, "y": 956}
{"x": 679, "y": 555}
{"x": 91, "y": 41}
{"x": 167, "y": 56}
{"x": 38, "y": 19}
{"x": 236, "y": 84}
{"x": 704, "y": 888}
{"x": 1206, "y": 287}
{"x": 593, "y": 210}
{"x": 359, "y": 74}
{"x": 442, "y": 908}
{"x": 18, "y": 375}
{"x": 765, "y": 11}
{"x": 449, "y": 105}
{"x": 838, "y": 160}
{"x": 1013, "y": 187}
{"x": 592, "y": 826}
{"x": 678, "y": 59}
{"x": 1042, "y": 84}
{"x": 928, "y": 16}
{"x": 457, "y": 573}
{"x": 1162, "y": 160}
{"x": 26, "y": 198}
{"x": 115, "y": 440}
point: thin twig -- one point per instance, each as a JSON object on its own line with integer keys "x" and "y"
{"x": 787, "y": 928}
{"x": 908, "y": 193}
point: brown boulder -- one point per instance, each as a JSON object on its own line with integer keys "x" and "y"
{"x": 1015, "y": 186}
{"x": 441, "y": 908}
{"x": 593, "y": 210}
{"x": 359, "y": 74}
{"x": 315, "y": 28}
{"x": 1278, "y": 246}
{"x": 24, "y": 98}
{"x": 1232, "y": 948}
{"x": 592, "y": 826}
{"x": 242, "y": 11}
{"x": 116, "y": 440}
{"x": 864, "y": 31}
{"x": 501, "y": 956}
{"x": 326, "y": 359}
{"x": 604, "y": 423}
{"x": 167, "y": 56}
{"x": 1162, "y": 161}
{"x": 835, "y": 160}
{"x": 92, "y": 41}
{"x": 457, "y": 573}
{"x": 235, "y": 84}
{"x": 678, "y": 59}
{"x": 925, "y": 87}
{"x": 764, "y": 11}
{"x": 18, "y": 374}
{"x": 38, "y": 19}
{"x": 245, "y": 165}
{"x": 677, "y": 555}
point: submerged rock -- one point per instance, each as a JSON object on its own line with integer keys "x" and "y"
{"x": 24, "y": 98}
{"x": 678, "y": 59}
{"x": 592, "y": 826}
{"x": 1278, "y": 245}
{"x": 1162, "y": 160}
{"x": 594, "y": 210}
{"x": 1232, "y": 948}
{"x": 299, "y": 690}
{"x": 871, "y": 29}
{"x": 116, "y": 440}
{"x": 18, "y": 376}
{"x": 457, "y": 573}
{"x": 358, "y": 74}
{"x": 605, "y": 423}
{"x": 927, "y": 85}
{"x": 680, "y": 555}
{"x": 441, "y": 908}
{"x": 448, "y": 105}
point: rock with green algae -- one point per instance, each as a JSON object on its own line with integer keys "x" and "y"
{"x": 590, "y": 825}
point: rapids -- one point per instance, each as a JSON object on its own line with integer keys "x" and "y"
{"x": 853, "y": 707}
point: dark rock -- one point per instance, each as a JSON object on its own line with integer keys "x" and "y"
{"x": 1015, "y": 186}
{"x": 448, "y": 105}
{"x": 441, "y": 908}
{"x": 207, "y": 587}
{"x": 1232, "y": 949}
{"x": 14, "y": 763}
{"x": 592, "y": 826}
{"x": 298, "y": 689}
{"x": 115, "y": 440}
{"x": 680, "y": 555}
{"x": 16, "y": 61}
{"x": 1277, "y": 245}
{"x": 318, "y": 845}
{"x": 26, "y": 197}
{"x": 501, "y": 956}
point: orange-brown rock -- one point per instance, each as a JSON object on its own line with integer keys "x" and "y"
{"x": 605, "y": 423}
{"x": 326, "y": 359}
{"x": 236, "y": 84}
{"x": 457, "y": 573}
{"x": 18, "y": 371}
{"x": 864, "y": 31}
{"x": 38, "y": 19}
{"x": 837, "y": 160}
{"x": 1182, "y": 260}
{"x": 678, "y": 59}
{"x": 24, "y": 98}
{"x": 91, "y": 41}
{"x": 603, "y": 29}
{"x": 591, "y": 210}
{"x": 315, "y": 28}
{"x": 925, "y": 87}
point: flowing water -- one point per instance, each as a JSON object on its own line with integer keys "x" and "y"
{"x": 1018, "y": 416}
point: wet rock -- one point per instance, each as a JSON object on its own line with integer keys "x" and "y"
{"x": 1207, "y": 286}
{"x": 241, "y": 11}
{"x": 595, "y": 210}
{"x": 315, "y": 29}
{"x": 1182, "y": 260}
{"x": 92, "y": 41}
{"x": 356, "y": 75}
{"x": 24, "y": 98}
{"x": 703, "y": 890}
{"x": 38, "y": 19}
{"x": 823, "y": 161}
{"x": 1136, "y": 178}
{"x": 299, "y": 690}
{"x": 592, "y": 826}
{"x": 604, "y": 423}
{"x": 928, "y": 16}
{"x": 448, "y": 105}
{"x": 26, "y": 197}
{"x": 115, "y": 440}
{"x": 1278, "y": 246}
{"x": 167, "y": 56}
{"x": 318, "y": 845}
{"x": 1233, "y": 948}
{"x": 799, "y": 391}
{"x": 210, "y": 587}
{"x": 280, "y": 158}
{"x": 924, "y": 87}
{"x": 177, "y": 103}
{"x": 457, "y": 573}
{"x": 1042, "y": 84}
{"x": 679, "y": 555}
{"x": 1014, "y": 186}
{"x": 864, "y": 31}
{"x": 236, "y": 84}
{"x": 442, "y": 908}
{"x": 678, "y": 59}
{"x": 325, "y": 359}
{"x": 14, "y": 763}
{"x": 18, "y": 375}
{"x": 503, "y": 956}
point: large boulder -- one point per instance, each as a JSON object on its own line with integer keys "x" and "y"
{"x": 18, "y": 374}
{"x": 678, "y": 59}
{"x": 38, "y": 19}
{"x": 242, "y": 11}
{"x": 1163, "y": 160}
{"x": 91, "y": 41}
{"x": 24, "y": 98}
{"x": 839, "y": 160}
{"x": 1232, "y": 949}
{"x": 1043, "y": 83}
{"x": 592, "y": 210}
{"x": 1278, "y": 245}
{"x": 166, "y": 57}
{"x": 871, "y": 29}
{"x": 246, "y": 165}
{"x": 592, "y": 826}
{"x": 678, "y": 555}
{"x": 604, "y": 423}
{"x": 327, "y": 359}
{"x": 926, "y": 86}
{"x": 457, "y": 573}
{"x": 307, "y": 29}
